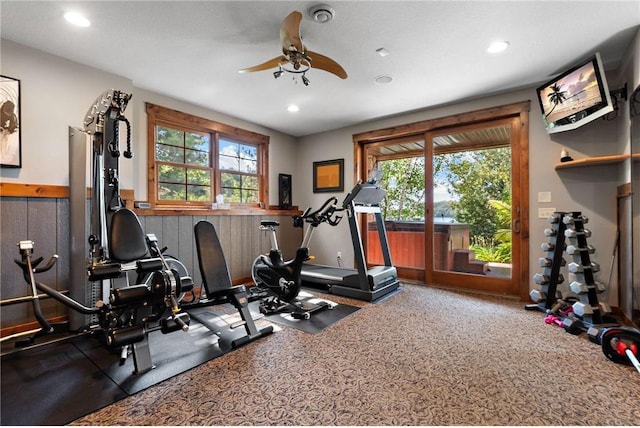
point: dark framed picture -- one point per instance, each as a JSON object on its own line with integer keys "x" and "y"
{"x": 328, "y": 176}
{"x": 284, "y": 191}
{"x": 10, "y": 135}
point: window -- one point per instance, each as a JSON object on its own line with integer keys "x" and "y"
{"x": 194, "y": 159}
{"x": 184, "y": 165}
{"x": 238, "y": 164}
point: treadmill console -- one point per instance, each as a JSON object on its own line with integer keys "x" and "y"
{"x": 365, "y": 194}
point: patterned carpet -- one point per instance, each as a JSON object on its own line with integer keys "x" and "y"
{"x": 425, "y": 356}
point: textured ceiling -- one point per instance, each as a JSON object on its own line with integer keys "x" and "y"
{"x": 437, "y": 50}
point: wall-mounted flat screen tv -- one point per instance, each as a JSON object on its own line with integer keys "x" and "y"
{"x": 575, "y": 97}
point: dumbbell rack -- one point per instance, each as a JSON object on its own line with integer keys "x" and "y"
{"x": 587, "y": 310}
{"x": 548, "y": 295}
{"x": 585, "y": 286}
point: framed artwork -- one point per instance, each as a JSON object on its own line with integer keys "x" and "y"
{"x": 10, "y": 135}
{"x": 328, "y": 176}
{"x": 284, "y": 191}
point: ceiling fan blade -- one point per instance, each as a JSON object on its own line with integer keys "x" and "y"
{"x": 290, "y": 32}
{"x": 275, "y": 62}
{"x": 327, "y": 64}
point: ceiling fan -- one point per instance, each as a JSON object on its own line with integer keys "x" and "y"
{"x": 296, "y": 58}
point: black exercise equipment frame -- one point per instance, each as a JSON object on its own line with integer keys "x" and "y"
{"x": 281, "y": 279}
{"x": 369, "y": 284}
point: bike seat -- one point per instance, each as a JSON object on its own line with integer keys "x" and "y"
{"x": 269, "y": 223}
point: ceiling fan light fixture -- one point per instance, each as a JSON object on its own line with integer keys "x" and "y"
{"x": 277, "y": 73}
{"x": 322, "y": 13}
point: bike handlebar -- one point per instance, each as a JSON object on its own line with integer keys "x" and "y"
{"x": 324, "y": 214}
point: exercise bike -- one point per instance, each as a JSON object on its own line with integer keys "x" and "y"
{"x": 281, "y": 279}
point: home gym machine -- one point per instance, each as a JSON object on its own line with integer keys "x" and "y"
{"x": 103, "y": 302}
{"x": 281, "y": 279}
{"x": 362, "y": 283}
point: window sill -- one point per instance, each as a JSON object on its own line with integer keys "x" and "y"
{"x": 272, "y": 210}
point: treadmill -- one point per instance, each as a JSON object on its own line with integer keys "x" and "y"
{"x": 361, "y": 283}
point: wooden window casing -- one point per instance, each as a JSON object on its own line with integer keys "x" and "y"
{"x": 176, "y": 120}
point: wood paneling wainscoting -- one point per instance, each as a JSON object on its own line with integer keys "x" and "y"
{"x": 41, "y": 213}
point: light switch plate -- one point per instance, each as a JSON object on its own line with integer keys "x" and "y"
{"x": 544, "y": 196}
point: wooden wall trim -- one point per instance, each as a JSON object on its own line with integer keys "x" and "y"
{"x": 33, "y": 190}
{"x": 20, "y": 190}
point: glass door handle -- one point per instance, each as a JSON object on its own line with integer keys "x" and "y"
{"x": 516, "y": 225}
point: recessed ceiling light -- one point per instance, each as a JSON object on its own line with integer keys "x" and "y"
{"x": 383, "y": 79}
{"x": 293, "y": 108}
{"x": 77, "y": 19}
{"x": 499, "y": 46}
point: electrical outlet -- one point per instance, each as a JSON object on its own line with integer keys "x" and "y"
{"x": 545, "y": 212}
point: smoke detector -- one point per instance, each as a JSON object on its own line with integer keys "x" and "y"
{"x": 321, "y": 13}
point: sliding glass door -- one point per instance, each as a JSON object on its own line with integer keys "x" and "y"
{"x": 456, "y": 211}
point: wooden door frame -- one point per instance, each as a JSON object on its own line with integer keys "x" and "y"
{"x": 461, "y": 279}
{"x": 519, "y": 110}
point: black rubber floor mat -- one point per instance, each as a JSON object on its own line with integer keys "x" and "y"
{"x": 57, "y": 383}
{"x": 53, "y": 385}
{"x": 171, "y": 354}
{"x": 318, "y": 320}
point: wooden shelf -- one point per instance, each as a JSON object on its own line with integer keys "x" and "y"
{"x": 593, "y": 161}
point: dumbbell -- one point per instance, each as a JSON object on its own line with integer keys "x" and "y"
{"x": 550, "y": 246}
{"x": 572, "y": 249}
{"x": 605, "y": 308}
{"x": 552, "y": 319}
{"x": 581, "y": 309}
{"x": 553, "y": 218}
{"x": 568, "y": 219}
{"x": 547, "y": 246}
{"x": 542, "y": 279}
{"x": 546, "y": 262}
{"x": 572, "y": 325}
{"x": 572, "y": 233}
{"x": 539, "y": 296}
{"x": 578, "y": 268}
{"x": 561, "y": 306}
{"x": 582, "y": 288}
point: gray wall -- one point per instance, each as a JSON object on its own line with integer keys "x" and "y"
{"x": 46, "y": 222}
